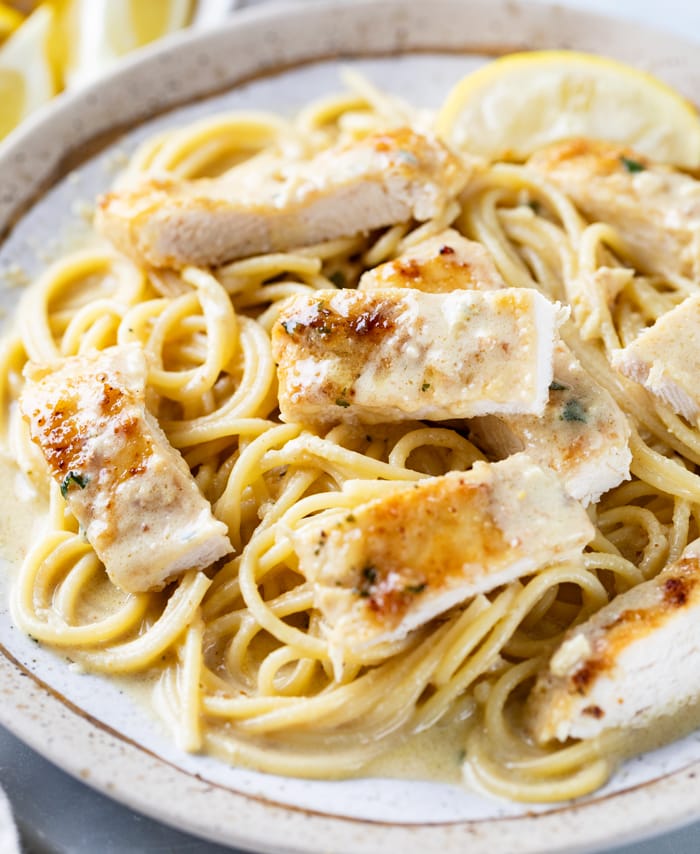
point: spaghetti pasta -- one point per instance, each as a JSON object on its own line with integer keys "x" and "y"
{"x": 237, "y": 655}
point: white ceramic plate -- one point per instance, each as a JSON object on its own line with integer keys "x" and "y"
{"x": 279, "y": 58}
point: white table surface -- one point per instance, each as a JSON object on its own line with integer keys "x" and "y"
{"x": 59, "y": 815}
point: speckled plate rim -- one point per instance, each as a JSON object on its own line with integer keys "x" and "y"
{"x": 255, "y": 42}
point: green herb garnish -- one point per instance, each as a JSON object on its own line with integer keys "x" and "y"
{"x": 340, "y": 401}
{"x": 406, "y": 156}
{"x": 338, "y": 278}
{"x": 555, "y": 386}
{"x": 290, "y": 326}
{"x": 573, "y": 411}
{"x": 76, "y": 478}
{"x": 369, "y": 573}
{"x": 632, "y": 166}
{"x": 415, "y": 588}
{"x": 425, "y": 387}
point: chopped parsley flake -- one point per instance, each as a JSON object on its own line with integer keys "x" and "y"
{"x": 369, "y": 577}
{"x": 338, "y": 278}
{"x": 340, "y": 401}
{"x": 407, "y": 156}
{"x": 370, "y": 573}
{"x": 632, "y": 166}
{"x": 415, "y": 588}
{"x": 555, "y": 386}
{"x": 73, "y": 477}
{"x": 425, "y": 387}
{"x": 573, "y": 411}
{"x": 290, "y": 326}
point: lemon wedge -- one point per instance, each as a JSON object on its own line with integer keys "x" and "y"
{"x": 96, "y": 33}
{"x": 26, "y": 76}
{"x": 514, "y": 105}
{"x": 10, "y": 19}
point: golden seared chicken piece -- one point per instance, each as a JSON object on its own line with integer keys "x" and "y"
{"x": 397, "y": 354}
{"x": 636, "y": 659}
{"x": 443, "y": 263}
{"x": 130, "y": 490}
{"x": 398, "y": 561}
{"x": 384, "y": 179}
{"x": 665, "y": 359}
{"x": 582, "y": 434}
{"x": 655, "y": 208}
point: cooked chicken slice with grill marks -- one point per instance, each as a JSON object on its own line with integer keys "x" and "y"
{"x": 655, "y": 208}
{"x": 443, "y": 263}
{"x": 130, "y": 490}
{"x": 398, "y": 561}
{"x": 583, "y": 434}
{"x": 665, "y": 359}
{"x": 384, "y": 179}
{"x": 397, "y": 354}
{"x": 636, "y": 659}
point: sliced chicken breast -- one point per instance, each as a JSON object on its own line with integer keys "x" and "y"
{"x": 398, "y": 561}
{"x": 665, "y": 359}
{"x": 443, "y": 263}
{"x": 382, "y": 180}
{"x": 635, "y": 660}
{"x": 397, "y": 354}
{"x": 655, "y": 208}
{"x": 129, "y": 489}
{"x": 582, "y": 434}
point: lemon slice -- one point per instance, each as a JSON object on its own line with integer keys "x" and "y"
{"x": 513, "y": 106}
{"x": 10, "y": 19}
{"x": 26, "y": 77}
{"x": 96, "y": 33}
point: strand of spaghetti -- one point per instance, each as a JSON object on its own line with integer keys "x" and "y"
{"x": 34, "y": 309}
{"x": 241, "y": 275}
{"x": 327, "y": 764}
{"x": 381, "y": 699}
{"x": 12, "y": 359}
{"x": 622, "y": 568}
{"x": 137, "y": 654}
{"x": 386, "y": 247}
{"x": 189, "y": 736}
{"x": 538, "y": 763}
{"x": 248, "y": 571}
{"x": 269, "y": 682}
{"x": 663, "y": 473}
{"x": 241, "y": 131}
{"x": 496, "y": 780}
{"x": 222, "y": 337}
{"x": 309, "y": 450}
{"x": 49, "y": 557}
{"x": 679, "y": 529}
{"x": 523, "y": 600}
{"x": 464, "y": 453}
{"x": 482, "y": 224}
{"x": 656, "y": 548}
{"x": 295, "y": 601}
{"x": 67, "y": 595}
{"x": 688, "y": 436}
{"x": 244, "y": 404}
{"x": 469, "y": 631}
{"x": 245, "y": 470}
